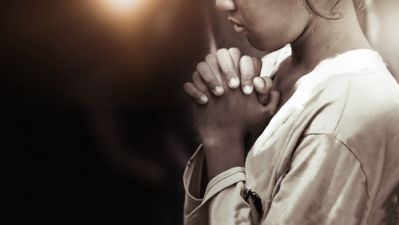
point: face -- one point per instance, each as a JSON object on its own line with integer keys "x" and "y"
{"x": 268, "y": 24}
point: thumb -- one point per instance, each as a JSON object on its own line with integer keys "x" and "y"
{"x": 263, "y": 87}
{"x": 274, "y": 102}
{"x": 270, "y": 110}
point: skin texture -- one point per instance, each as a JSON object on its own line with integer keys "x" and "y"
{"x": 236, "y": 130}
{"x": 225, "y": 65}
{"x": 273, "y": 17}
{"x": 232, "y": 121}
{"x": 227, "y": 118}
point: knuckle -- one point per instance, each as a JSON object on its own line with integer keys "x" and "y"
{"x": 212, "y": 79}
{"x": 210, "y": 58}
{"x": 195, "y": 76}
{"x": 230, "y": 73}
{"x": 187, "y": 85}
{"x": 201, "y": 66}
{"x": 246, "y": 58}
{"x": 234, "y": 49}
{"x": 221, "y": 51}
{"x": 246, "y": 76}
{"x": 235, "y": 52}
{"x": 211, "y": 82}
{"x": 222, "y": 55}
{"x": 245, "y": 81}
{"x": 188, "y": 88}
{"x": 246, "y": 61}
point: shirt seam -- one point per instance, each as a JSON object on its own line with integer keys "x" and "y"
{"x": 334, "y": 136}
{"x": 343, "y": 108}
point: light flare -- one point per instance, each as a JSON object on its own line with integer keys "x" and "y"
{"x": 121, "y": 16}
{"x": 121, "y": 6}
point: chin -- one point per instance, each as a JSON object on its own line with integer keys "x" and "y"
{"x": 264, "y": 45}
{"x": 256, "y": 43}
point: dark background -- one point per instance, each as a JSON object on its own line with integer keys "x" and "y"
{"x": 95, "y": 126}
{"x": 93, "y": 116}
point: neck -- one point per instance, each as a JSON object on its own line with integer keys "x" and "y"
{"x": 324, "y": 38}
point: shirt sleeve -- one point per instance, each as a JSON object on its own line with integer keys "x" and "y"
{"x": 222, "y": 202}
{"x": 325, "y": 184}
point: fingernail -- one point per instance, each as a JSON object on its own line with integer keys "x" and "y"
{"x": 204, "y": 99}
{"x": 234, "y": 82}
{"x": 248, "y": 89}
{"x": 218, "y": 90}
{"x": 259, "y": 82}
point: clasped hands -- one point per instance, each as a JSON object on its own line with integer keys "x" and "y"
{"x": 228, "y": 118}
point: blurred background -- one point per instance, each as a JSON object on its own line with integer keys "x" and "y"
{"x": 95, "y": 124}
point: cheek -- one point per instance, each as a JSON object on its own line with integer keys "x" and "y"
{"x": 269, "y": 36}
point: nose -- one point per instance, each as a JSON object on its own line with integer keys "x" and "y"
{"x": 226, "y": 5}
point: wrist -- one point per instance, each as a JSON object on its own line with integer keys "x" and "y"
{"x": 222, "y": 139}
{"x": 223, "y": 152}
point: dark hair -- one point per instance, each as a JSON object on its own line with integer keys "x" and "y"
{"x": 359, "y": 4}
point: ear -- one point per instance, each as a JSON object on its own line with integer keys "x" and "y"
{"x": 326, "y": 9}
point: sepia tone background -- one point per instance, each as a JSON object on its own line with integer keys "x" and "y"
{"x": 96, "y": 128}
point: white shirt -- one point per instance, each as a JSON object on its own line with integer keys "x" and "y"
{"x": 329, "y": 156}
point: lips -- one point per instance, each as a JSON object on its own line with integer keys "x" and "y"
{"x": 238, "y": 27}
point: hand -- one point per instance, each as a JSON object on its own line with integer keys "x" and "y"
{"x": 227, "y": 65}
{"x": 226, "y": 122}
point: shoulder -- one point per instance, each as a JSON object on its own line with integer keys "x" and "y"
{"x": 371, "y": 106}
{"x": 362, "y": 112}
{"x": 350, "y": 104}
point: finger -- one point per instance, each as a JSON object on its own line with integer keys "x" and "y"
{"x": 274, "y": 102}
{"x": 214, "y": 66}
{"x": 210, "y": 80}
{"x": 199, "y": 84}
{"x": 227, "y": 66}
{"x": 263, "y": 86}
{"x": 247, "y": 71}
{"x": 235, "y": 54}
{"x": 195, "y": 94}
{"x": 258, "y": 65}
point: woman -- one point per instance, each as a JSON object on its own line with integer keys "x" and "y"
{"x": 328, "y": 156}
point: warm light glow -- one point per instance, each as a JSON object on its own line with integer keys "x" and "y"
{"x": 122, "y": 16}
{"x": 121, "y": 6}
